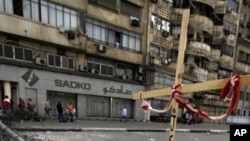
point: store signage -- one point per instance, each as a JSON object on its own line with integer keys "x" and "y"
{"x": 112, "y": 89}
{"x": 72, "y": 84}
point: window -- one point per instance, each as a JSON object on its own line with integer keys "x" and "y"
{"x": 61, "y": 61}
{"x": 104, "y": 67}
{"x": 130, "y": 9}
{"x": 233, "y": 4}
{"x": 229, "y": 27}
{"x": 14, "y": 52}
{"x": 110, "y": 4}
{"x": 224, "y": 74}
{"x": 122, "y": 69}
{"x": 113, "y": 36}
{"x": 162, "y": 80}
{"x": 44, "y": 11}
{"x": 159, "y": 52}
{"x": 160, "y": 24}
{"x": 228, "y": 50}
{"x": 6, "y": 6}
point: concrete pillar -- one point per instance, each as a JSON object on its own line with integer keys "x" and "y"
{"x": 7, "y": 89}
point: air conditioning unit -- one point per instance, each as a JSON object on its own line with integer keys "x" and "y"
{"x": 40, "y": 61}
{"x": 124, "y": 76}
{"x": 135, "y": 22}
{"x": 94, "y": 71}
{"x": 83, "y": 68}
{"x": 166, "y": 61}
{"x": 141, "y": 70}
{"x": 102, "y": 48}
{"x": 142, "y": 78}
{"x": 71, "y": 35}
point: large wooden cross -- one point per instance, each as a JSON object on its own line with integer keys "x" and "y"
{"x": 196, "y": 87}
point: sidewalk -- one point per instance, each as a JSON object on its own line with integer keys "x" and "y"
{"x": 117, "y": 126}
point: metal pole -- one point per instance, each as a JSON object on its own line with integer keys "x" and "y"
{"x": 10, "y": 132}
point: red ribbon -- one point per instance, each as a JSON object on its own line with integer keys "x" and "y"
{"x": 230, "y": 92}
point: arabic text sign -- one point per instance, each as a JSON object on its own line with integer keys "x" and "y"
{"x": 117, "y": 90}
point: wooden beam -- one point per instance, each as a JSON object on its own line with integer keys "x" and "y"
{"x": 196, "y": 87}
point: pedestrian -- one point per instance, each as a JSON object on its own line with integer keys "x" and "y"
{"x": 70, "y": 111}
{"x": 194, "y": 116}
{"x": 6, "y": 105}
{"x": 187, "y": 117}
{"x": 124, "y": 114}
{"x": 47, "y": 109}
{"x": 21, "y": 104}
{"x": 60, "y": 111}
{"x": 31, "y": 106}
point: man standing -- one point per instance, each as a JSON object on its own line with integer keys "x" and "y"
{"x": 60, "y": 111}
{"x": 47, "y": 109}
{"x": 6, "y": 105}
{"x": 124, "y": 114}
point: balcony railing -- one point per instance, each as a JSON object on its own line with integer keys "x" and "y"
{"x": 220, "y": 7}
{"x": 157, "y": 38}
{"x": 212, "y": 76}
{"x": 211, "y": 3}
{"x": 243, "y": 67}
{"x": 227, "y": 61}
{"x": 199, "y": 48}
{"x": 201, "y": 22}
{"x": 215, "y": 54}
{"x": 230, "y": 40}
{"x": 232, "y": 17}
{"x": 200, "y": 74}
{"x": 218, "y": 31}
{"x": 163, "y": 11}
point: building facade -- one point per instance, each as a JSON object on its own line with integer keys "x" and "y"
{"x": 96, "y": 53}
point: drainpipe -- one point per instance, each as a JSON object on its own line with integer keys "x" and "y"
{"x": 10, "y": 132}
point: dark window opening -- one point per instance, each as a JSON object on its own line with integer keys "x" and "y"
{"x": 51, "y": 60}
{"x": 18, "y": 7}
{"x": 19, "y": 53}
{"x": 8, "y": 51}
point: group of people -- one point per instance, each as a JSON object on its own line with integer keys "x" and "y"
{"x": 9, "y": 106}
{"x": 62, "y": 117}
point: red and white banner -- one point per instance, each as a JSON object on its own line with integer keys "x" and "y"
{"x": 230, "y": 93}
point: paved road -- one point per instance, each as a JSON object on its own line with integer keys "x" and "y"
{"x": 112, "y": 125}
{"x": 129, "y": 136}
{"x": 113, "y": 130}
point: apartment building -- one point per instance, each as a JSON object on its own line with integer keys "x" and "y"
{"x": 96, "y": 53}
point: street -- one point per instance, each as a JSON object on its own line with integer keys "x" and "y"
{"x": 127, "y": 136}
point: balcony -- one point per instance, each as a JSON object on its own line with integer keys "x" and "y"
{"x": 230, "y": 40}
{"x": 199, "y": 49}
{"x": 242, "y": 67}
{"x": 227, "y": 61}
{"x": 218, "y": 31}
{"x": 114, "y": 53}
{"x": 215, "y": 54}
{"x": 165, "y": 12}
{"x": 212, "y": 76}
{"x": 232, "y": 17}
{"x": 200, "y": 74}
{"x": 40, "y": 32}
{"x": 220, "y": 7}
{"x": 211, "y": 3}
{"x": 201, "y": 22}
{"x": 157, "y": 38}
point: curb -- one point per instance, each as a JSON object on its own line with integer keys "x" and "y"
{"x": 118, "y": 130}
